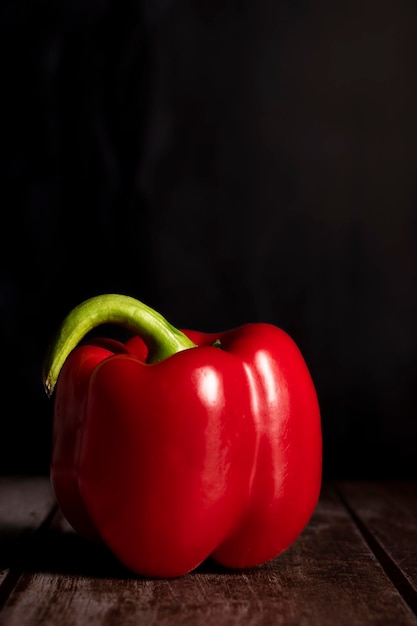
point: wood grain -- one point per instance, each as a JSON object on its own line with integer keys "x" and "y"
{"x": 25, "y": 502}
{"x": 329, "y": 576}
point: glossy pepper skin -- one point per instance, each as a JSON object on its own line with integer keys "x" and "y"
{"x": 174, "y": 450}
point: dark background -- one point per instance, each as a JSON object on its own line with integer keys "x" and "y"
{"x": 224, "y": 162}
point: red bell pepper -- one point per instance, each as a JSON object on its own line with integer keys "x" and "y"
{"x": 179, "y": 445}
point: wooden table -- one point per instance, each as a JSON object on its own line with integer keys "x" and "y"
{"x": 355, "y": 563}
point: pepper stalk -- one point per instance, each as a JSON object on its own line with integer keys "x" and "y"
{"x": 161, "y": 338}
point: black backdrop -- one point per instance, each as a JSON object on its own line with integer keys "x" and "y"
{"x": 223, "y": 162}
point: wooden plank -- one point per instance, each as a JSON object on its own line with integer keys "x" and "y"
{"x": 388, "y": 511}
{"x": 25, "y": 502}
{"x": 327, "y": 577}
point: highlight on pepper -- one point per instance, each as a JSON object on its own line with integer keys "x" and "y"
{"x": 178, "y": 445}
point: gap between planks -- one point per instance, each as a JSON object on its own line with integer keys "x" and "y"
{"x": 392, "y": 570}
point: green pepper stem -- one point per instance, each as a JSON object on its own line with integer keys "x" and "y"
{"x": 161, "y": 338}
